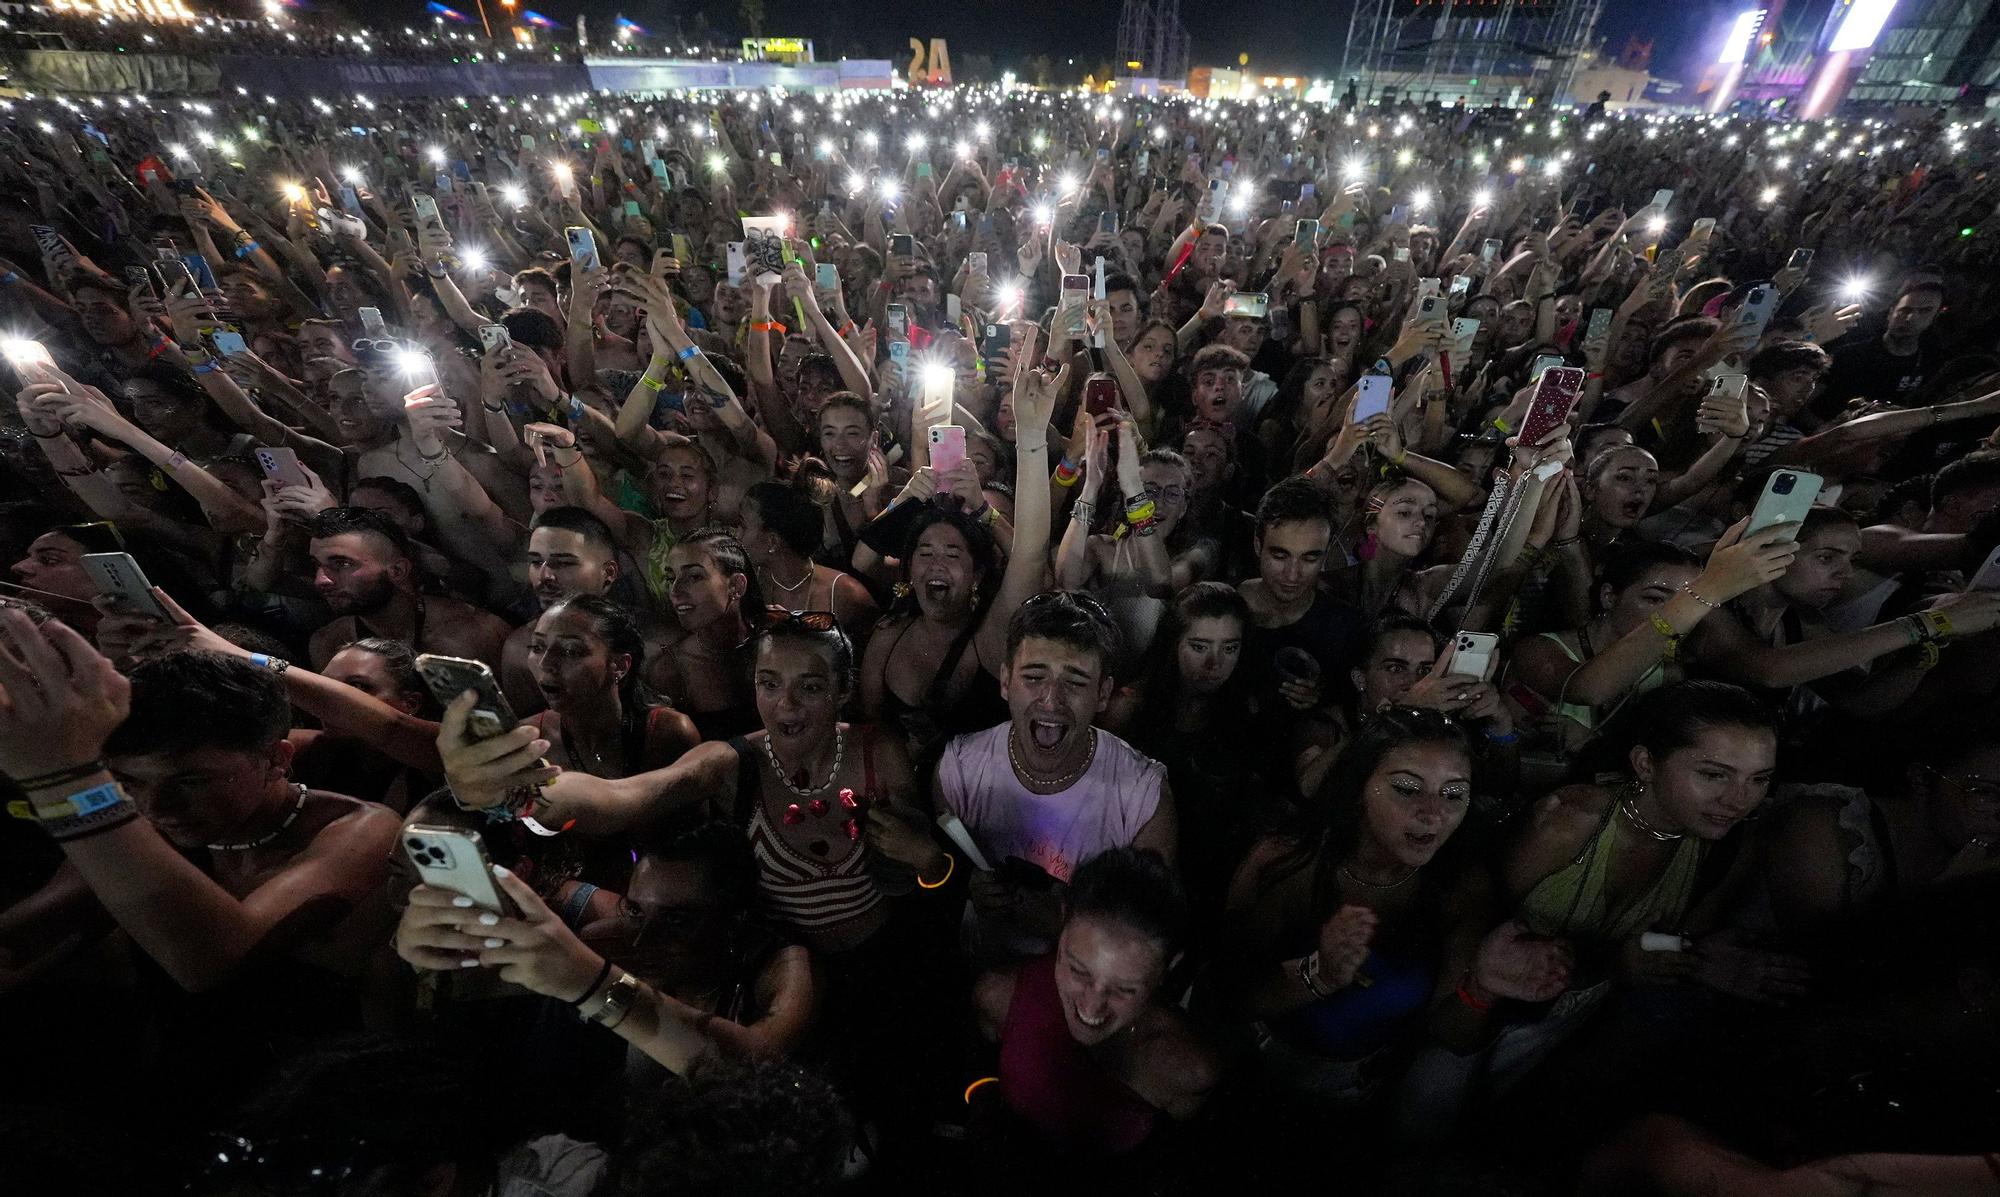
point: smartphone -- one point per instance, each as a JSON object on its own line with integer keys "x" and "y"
{"x": 493, "y": 338}
{"x": 228, "y": 342}
{"x": 997, "y": 339}
{"x": 1401, "y": 253}
{"x": 1463, "y": 330}
{"x": 736, "y": 262}
{"x": 1489, "y": 252}
{"x": 1306, "y": 233}
{"x": 1100, "y": 394}
{"x": 947, "y": 448}
{"x": 1474, "y": 654}
{"x": 1431, "y": 308}
{"x": 455, "y": 859}
{"x": 282, "y": 466}
{"x": 899, "y": 322}
{"x": 1371, "y": 397}
{"x": 632, "y": 209}
{"x": 1800, "y": 260}
{"x": 22, "y": 352}
{"x": 1597, "y": 332}
{"x": 1461, "y": 286}
{"x": 1703, "y": 227}
{"x": 826, "y": 276}
{"x": 1107, "y": 223}
{"x": 975, "y": 262}
{"x": 1662, "y": 198}
{"x": 119, "y": 577}
{"x": 1543, "y": 363}
{"x": 1555, "y": 395}
{"x": 684, "y": 250}
{"x": 427, "y": 208}
{"x": 442, "y": 183}
{"x": 1075, "y": 294}
{"x": 419, "y": 369}
{"x": 1429, "y": 286}
{"x": 1729, "y": 386}
{"x": 1988, "y": 576}
{"x": 1788, "y": 495}
{"x": 582, "y": 248}
{"x": 371, "y": 323}
{"x": 923, "y": 170}
{"x": 1399, "y": 214}
{"x": 449, "y": 677}
{"x": 175, "y": 277}
{"x": 1758, "y": 307}
{"x": 1255, "y": 304}
{"x": 903, "y": 245}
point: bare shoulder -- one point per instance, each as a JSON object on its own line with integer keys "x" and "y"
{"x": 1560, "y": 826}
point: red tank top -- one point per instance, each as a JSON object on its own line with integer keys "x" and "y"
{"x": 1050, "y": 1080}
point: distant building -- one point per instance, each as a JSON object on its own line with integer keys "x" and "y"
{"x": 1933, "y": 52}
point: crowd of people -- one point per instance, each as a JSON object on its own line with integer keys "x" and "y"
{"x": 962, "y": 640}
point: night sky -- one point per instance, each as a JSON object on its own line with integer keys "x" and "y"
{"x": 1301, "y": 38}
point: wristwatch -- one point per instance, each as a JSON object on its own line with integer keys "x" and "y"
{"x": 609, "y": 1008}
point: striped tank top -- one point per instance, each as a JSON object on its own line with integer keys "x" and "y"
{"x": 796, "y": 888}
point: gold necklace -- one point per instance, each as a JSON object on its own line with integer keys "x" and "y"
{"x": 1055, "y": 783}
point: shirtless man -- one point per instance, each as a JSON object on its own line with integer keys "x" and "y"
{"x": 362, "y": 568}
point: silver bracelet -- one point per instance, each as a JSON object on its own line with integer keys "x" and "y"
{"x": 1083, "y": 513}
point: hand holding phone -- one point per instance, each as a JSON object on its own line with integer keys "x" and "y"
{"x": 119, "y": 578}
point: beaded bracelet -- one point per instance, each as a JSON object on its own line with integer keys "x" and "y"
{"x": 1688, "y": 589}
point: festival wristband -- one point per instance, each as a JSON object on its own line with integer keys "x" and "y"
{"x": 687, "y": 354}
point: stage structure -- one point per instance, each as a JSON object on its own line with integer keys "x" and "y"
{"x": 1152, "y": 42}
{"x": 1477, "y": 50}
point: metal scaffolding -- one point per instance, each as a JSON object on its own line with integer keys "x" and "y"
{"x": 1150, "y": 33}
{"x": 1410, "y": 47}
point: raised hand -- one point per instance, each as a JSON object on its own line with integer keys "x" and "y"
{"x": 1343, "y": 945}
{"x": 60, "y": 699}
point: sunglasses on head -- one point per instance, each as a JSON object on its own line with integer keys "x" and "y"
{"x": 814, "y": 621}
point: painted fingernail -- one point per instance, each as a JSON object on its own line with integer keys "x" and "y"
{"x": 468, "y": 963}
{"x": 461, "y": 901}
{"x": 489, "y": 920}
{"x": 502, "y": 871}
{"x": 496, "y": 943}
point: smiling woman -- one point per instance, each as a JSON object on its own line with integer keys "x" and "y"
{"x": 1091, "y": 1056}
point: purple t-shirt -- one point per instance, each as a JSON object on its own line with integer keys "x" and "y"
{"x": 1105, "y": 808}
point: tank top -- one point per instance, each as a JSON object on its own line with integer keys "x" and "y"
{"x": 1103, "y": 809}
{"x": 1051, "y": 1082}
{"x": 1359, "y": 1020}
{"x": 1570, "y": 902}
{"x": 797, "y": 889}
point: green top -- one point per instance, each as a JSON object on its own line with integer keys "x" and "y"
{"x": 1570, "y": 902}
{"x": 1582, "y": 713}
